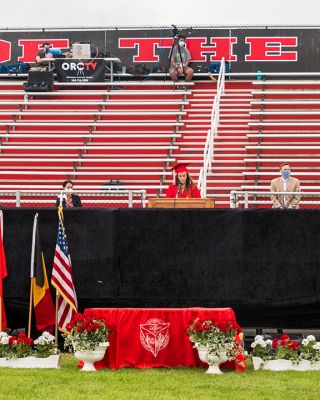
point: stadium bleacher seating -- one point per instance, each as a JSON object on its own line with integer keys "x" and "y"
{"x": 135, "y": 131}
{"x": 90, "y": 135}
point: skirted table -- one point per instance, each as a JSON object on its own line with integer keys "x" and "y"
{"x": 157, "y": 337}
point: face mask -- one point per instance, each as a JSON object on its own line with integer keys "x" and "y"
{"x": 285, "y": 174}
{"x": 68, "y": 190}
{"x": 181, "y": 43}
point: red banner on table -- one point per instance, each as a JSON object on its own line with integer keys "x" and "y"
{"x": 157, "y": 337}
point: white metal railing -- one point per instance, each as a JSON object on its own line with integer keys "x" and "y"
{"x": 212, "y": 132}
{"x": 245, "y": 199}
{"x": 108, "y": 196}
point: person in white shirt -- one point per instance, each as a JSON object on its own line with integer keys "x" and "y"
{"x": 285, "y": 183}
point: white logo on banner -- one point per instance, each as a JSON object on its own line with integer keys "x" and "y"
{"x": 154, "y": 335}
{"x": 73, "y": 66}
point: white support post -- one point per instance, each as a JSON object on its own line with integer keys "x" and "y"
{"x": 130, "y": 198}
{"x": 144, "y": 201}
{"x": 18, "y": 199}
{"x": 246, "y": 200}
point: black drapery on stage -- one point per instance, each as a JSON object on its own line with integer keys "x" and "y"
{"x": 263, "y": 263}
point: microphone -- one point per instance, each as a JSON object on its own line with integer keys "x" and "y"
{"x": 178, "y": 191}
{"x": 62, "y": 195}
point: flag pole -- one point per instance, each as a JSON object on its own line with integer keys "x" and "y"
{"x": 30, "y": 308}
{"x": 35, "y": 222}
{"x": 1, "y": 227}
{"x": 56, "y": 322}
{"x": 60, "y": 216}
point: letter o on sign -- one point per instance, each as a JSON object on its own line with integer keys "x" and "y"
{"x": 65, "y": 66}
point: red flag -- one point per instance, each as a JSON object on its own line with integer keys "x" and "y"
{"x": 62, "y": 278}
{"x": 3, "y": 274}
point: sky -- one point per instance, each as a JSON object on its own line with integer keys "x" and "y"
{"x": 105, "y": 13}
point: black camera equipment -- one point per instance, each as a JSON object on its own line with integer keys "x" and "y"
{"x": 175, "y": 33}
{"x": 39, "y": 81}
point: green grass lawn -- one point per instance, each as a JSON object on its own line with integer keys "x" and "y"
{"x": 155, "y": 384}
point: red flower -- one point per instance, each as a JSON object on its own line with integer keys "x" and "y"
{"x": 69, "y": 327}
{"x": 12, "y": 340}
{"x": 77, "y": 317}
{"x": 206, "y": 326}
{"x": 71, "y": 324}
{"x": 96, "y": 326}
{"x": 274, "y": 343}
{"x": 223, "y": 326}
{"x": 23, "y": 339}
{"x": 284, "y": 337}
{"x": 293, "y": 345}
{"x": 91, "y": 328}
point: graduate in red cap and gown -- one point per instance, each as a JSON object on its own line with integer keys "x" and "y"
{"x": 184, "y": 187}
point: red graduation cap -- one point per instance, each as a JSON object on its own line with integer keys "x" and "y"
{"x": 180, "y": 167}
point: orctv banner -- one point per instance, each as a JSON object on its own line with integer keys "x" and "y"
{"x": 80, "y": 70}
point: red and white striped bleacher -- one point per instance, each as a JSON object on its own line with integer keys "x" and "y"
{"x": 284, "y": 126}
{"x": 90, "y": 135}
{"x": 229, "y": 144}
{"x": 134, "y": 132}
{"x": 260, "y": 127}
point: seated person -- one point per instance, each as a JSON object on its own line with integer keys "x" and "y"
{"x": 285, "y": 183}
{"x": 184, "y": 187}
{"x": 67, "y": 198}
{"x": 180, "y": 61}
{"x": 41, "y": 55}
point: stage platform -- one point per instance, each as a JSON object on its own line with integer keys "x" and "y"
{"x": 265, "y": 264}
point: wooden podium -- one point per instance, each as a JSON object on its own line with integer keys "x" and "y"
{"x": 180, "y": 203}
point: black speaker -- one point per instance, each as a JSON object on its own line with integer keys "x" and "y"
{"x": 40, "y": 76}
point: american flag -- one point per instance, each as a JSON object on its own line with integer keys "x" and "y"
{"x": 62, "y": 279}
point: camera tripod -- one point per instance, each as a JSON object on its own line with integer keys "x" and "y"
{"x": 175, "y": 35}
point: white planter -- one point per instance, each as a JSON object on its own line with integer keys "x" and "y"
{"x": 278, "y": 365}
{"x": 32, "y": 362}
{"x": 315, "y": 366}
{"x": 303, "y": 365}
{"x": 257, "y": 363}
{"x": 284, "y": 365}
{"x": 90, "y": 357}
{"x": 211, "y": 359}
